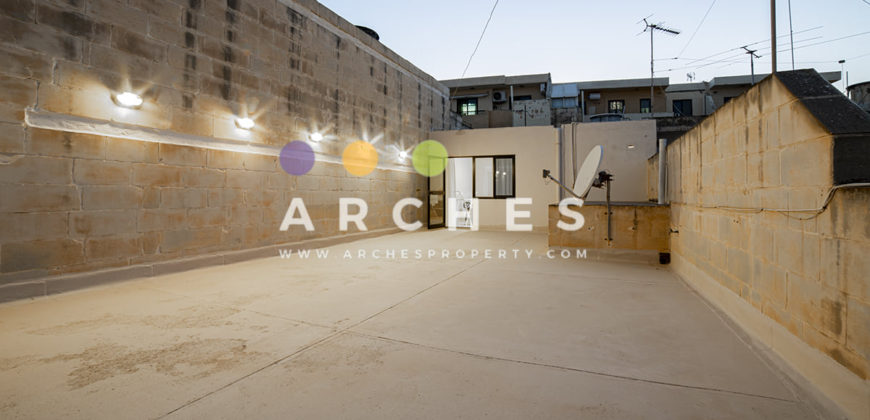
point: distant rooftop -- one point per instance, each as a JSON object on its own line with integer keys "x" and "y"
{"x": 622, "y": 83}
{"x": 502, "y": 80}
{"x": 746, "y": 79}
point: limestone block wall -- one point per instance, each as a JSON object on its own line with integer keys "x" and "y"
{"x": 76, "y": 198}
{"x": 633, "y": 227}
{"x": 767, "y": 150}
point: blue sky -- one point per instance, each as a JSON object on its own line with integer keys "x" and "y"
{"x": 585, "y": 40}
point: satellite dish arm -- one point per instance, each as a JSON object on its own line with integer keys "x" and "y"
{"x": 570, "y": 191}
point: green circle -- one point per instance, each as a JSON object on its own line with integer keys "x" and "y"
{"x": 430, "y": 158}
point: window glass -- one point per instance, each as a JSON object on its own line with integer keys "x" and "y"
{"x": 617, "y": 106}
{"x": 504, "y": 177}
{"x": 483, "y": 177}
{"x": 683, "y": 108}
{"x": 467, "y": 106}
{"x": 645, "y": 106}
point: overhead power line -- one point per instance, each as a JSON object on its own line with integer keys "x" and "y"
{"x": 696, "y": 29}
{"x": 479, "y": 39}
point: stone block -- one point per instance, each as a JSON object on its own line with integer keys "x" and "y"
{"x": 112, "y": 247}
{"x": 199, "y": 218}
{"x": 131, "y": 150}
{"x": 788, "y": 249}
{"x": 148, "y": 175}
{"x": 37, "y": 170}
{"x": 807, "y": 163}
{"x": 33, "y": 37}
{"x": 152, "y": 220}
{"x": 178, "y": 240}
{"x": 175, "y": 198}
{"x": 11, "y": 138}
{"x": 17, "y": 91}
{"x": 171, "y": 154}
{"x": 111, "y": 197}
{"x": 95, "y": 172}
{"x": 221, "y": 159}
{"x": 858, "y": 327}
{"x": 820, "y": 306}
{"x": 72, "y": 23}
{"x": 61, "y": 143}
{"x": 204, "y": 177}
{"x": 102, "y": 223}
{"x": 20, "y": 256}
{"x": 19, "y": 227}
{"x": 138, "y": 45}
{"x": 30, "y": 198}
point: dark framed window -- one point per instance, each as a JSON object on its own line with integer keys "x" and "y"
{"x": 616, "y": 106}
{"x": 467, "y": 106}
{"x": 683, "y": 107}
{"x": 645, "y": 106}
{"x": 523, "y": 98}
{"x": 494, "y": 176}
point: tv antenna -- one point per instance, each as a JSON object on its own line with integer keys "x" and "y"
{"x": 587, "y": 177}
{"x": 652, "y": 28}
{"x": 752, "y": 57}
{"x": 690, "y": 76}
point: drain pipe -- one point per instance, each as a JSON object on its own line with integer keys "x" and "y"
{"x": 663, "y": 150}
{"x": 561, "y": 162}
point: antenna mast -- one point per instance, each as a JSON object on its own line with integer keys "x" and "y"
{"x": 752, "y": 57}
{"x": 652, "y": 28}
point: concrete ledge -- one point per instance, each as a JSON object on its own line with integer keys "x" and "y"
{"x": 49, "y": 285}
{"x": 833, "y": 386}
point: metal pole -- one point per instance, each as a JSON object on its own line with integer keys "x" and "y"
{"x": 773, "y": 34}
{"x": 752, "y": 67}
{"x": 791, "y": 34}
{"x": 843, "y": 73}
{"x": 609, "y": 229}
{"x": 651, "y": 74}
{"x": 561, "y": 161}
{"x": 663, "y": 150}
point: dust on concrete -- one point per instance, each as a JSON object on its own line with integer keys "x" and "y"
{"x": 189, "y": 317}
{"x": 193, "y": 359}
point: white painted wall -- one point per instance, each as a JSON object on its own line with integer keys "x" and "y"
{"x": 536, "y": 149}
{"x": 628, "y": 166}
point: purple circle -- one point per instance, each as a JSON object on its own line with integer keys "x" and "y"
{"x": 297, "y": 158}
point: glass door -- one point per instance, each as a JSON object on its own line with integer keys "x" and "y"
{"x": 436, "y": 201}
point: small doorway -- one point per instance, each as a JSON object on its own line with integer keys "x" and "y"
{"x": 436, "y": 201}
{"x": 460, "y": 187}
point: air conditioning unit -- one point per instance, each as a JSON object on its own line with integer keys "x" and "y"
{"x": 499, "y": 96}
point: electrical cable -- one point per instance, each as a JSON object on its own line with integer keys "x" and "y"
{"x": 786, "y": 212}
{"x": 699, "y": 27}
{"x": 479, "y": 39}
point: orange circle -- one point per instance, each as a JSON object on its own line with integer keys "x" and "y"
{"x": 359, "y": 158}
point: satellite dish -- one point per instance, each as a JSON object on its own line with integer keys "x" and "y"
{"x": 588, "y": 172}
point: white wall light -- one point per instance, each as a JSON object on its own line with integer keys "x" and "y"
{"x": 315, "y": 136}
{"x": 128, "y": 100}
{"x": 630, "y": 146}
{"x": 245, "y": 123}
{"x": 403, "y": 155}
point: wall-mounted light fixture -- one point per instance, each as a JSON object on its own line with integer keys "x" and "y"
{"x": 245, "y": 123}
{"x": 630, "y": 146}
{"x": 403, "y": 155}
{"x": 128, "y": 100}
{"x": 315, "y": 136}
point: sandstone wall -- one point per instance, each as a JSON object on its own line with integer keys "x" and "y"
{"x": 810, "y": 274}
{"x": 73, "y": 199}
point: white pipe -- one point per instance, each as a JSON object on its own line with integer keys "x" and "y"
{"x": 663, "y": 149}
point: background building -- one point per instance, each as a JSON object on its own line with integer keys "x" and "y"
{"x": 501, "y": 101}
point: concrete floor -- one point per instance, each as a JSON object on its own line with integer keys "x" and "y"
{"x": 369, "y": 338}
